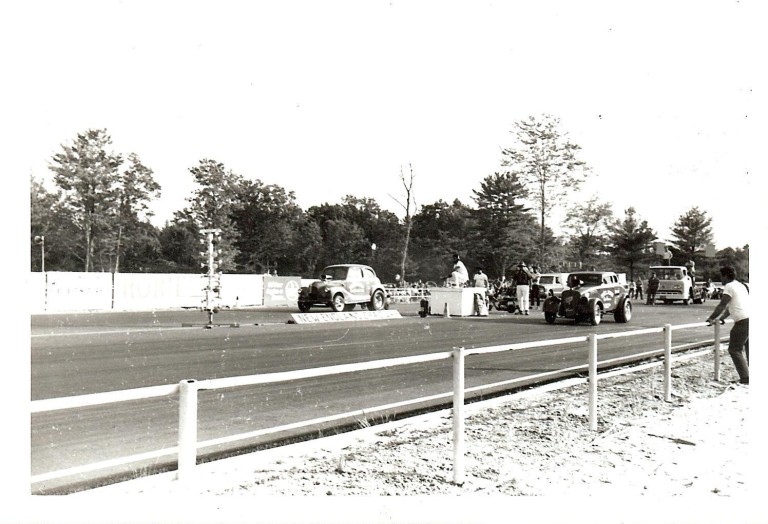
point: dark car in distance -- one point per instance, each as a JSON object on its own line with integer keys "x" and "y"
{"x": 590, "y": 295}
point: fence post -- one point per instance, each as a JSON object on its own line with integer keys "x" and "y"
{"x": 717, "y": 350}
{"x": 187, "y": 429}
{"x": 458, "y": 415}
{"x": 668, "y": 362}
{"x": 592, "y": 381}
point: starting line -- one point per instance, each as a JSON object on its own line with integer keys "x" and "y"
{"x": 344, "y": 316}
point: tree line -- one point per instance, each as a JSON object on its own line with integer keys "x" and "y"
{"x": 97, "y": 219}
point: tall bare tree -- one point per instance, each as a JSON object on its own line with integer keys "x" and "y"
{"x": 546, "y": 162}
{"x": 408, "y": 220}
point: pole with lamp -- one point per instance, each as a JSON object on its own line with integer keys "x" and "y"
{"x": 40, "y": 239}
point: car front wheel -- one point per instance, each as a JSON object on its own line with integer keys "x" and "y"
{"x": 550, "y": 317}
{"x": 304, "y": 307}
{"x": 377, "y": 302}
{"x": 595, "y": 312}
{"x": 338, "y": 303}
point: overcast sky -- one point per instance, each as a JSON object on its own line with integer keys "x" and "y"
{"x": 332, "y": 98}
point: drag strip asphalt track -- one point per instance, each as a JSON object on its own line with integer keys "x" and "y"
{"x": 77, "y": 354}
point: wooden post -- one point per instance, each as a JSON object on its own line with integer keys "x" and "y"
{"x": 592, "y": 340}
{"x": 668, "y": 362}
{"x": 458, "y": 416}
{"x": 187, "y": 429}
{"x": 717, "y": 350}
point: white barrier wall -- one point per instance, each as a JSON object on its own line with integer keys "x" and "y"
{"x": 158, "y": 290}
{"x": 78, "y": 291}
{"x": 242, "y": 290}
{"x": 73, "y": 291}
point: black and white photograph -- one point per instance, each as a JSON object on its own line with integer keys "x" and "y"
{"x": 383, "y": 261}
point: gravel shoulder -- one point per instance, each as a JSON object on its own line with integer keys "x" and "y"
{"x": 694, "y": 452}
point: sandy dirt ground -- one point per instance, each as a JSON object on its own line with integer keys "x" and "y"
{"x": 532, "y": 449}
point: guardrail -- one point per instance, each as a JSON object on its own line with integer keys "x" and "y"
{"x": 406, "y": 294}
{"x": 188, "y": 399}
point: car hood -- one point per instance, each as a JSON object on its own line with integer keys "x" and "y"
{"x": 325, "y": 283}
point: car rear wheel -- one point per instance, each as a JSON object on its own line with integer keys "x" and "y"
{"x": 378, "y": 301}
{"x": 338, "y": 303}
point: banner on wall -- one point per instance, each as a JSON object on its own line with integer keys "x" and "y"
{"x": 157, "y": 290}
{"x": 75, "y": 291}
{"x": 72, "y": 291}
{"x": 281, "y": 291}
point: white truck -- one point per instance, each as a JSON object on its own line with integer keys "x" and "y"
{"x": 675, "y": 283}
{"x": 552, "y": 281}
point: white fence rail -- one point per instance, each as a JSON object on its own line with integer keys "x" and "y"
{"x": 188, "y": 399}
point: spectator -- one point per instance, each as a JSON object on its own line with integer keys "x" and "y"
{"x": 639, "y": 287}
{"x": 653, "y": 287}
{"x": 631, "y": 288}
{"x": 735, "y": 303}
{"x": 522, "y": 280}
{"x": 459, "y": 275}
{"x": 480, "y": 279}
{"x": 535, "y": 298}
{"x": 691, "y": 266}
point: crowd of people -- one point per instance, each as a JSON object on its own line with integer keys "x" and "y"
{"x": 734, "y": 300}
{"x": 522, "y": 290}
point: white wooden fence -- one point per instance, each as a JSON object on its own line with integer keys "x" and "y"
{"x": 188, "y": 392}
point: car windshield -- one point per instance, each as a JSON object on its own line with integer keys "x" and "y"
{"x": 669, "y": 274}
{"x": 591, "y": 279}
{"x": 334, "y": 273}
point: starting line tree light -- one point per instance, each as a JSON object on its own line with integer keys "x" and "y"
{"x": 211, "y": 263}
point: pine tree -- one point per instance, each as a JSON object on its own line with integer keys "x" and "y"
{"x": 692, "y": 232}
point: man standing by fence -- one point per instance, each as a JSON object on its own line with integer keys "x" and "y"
{"x": 735, "y": 303}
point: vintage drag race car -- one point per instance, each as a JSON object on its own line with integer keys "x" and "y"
{"x": 342, "y": 286}
{"x": 591, "y": 295}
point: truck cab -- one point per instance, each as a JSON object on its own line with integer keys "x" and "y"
{"x": 675, "y": 283}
